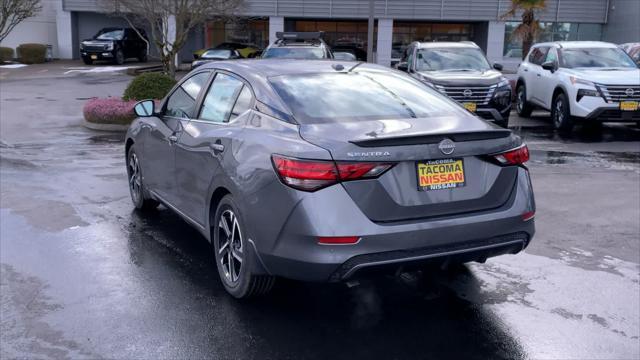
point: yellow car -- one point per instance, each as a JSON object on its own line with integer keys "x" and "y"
{"x": 245, "y": 50}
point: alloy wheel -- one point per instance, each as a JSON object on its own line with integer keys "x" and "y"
{"x": 230, "y": 245}
{"x": 559, "y": 113}
{"x": 135, "y": 178}
{"x": 521, "y": 100}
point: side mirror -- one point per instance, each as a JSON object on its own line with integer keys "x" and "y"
{"x": 498, "y": 67}
{"x": 549, "y": 65}
{"x": 402, "y": 66}
{"x": 145, "y": 108}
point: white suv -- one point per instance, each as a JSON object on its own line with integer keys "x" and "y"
{"x": 579, "y": 81}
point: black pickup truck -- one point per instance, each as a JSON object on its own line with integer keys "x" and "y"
{"x": 115, "y": 45}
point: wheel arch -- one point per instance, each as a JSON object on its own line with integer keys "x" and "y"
{"x": 214, "y": 200}
{"x": 128, "y": 146}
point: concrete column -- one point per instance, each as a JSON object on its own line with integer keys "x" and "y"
{"x": 385, "y": 37}
{"x": 276, "y": 23}
{"x": 64, "y": 32}
{"x": 495, "y": 41}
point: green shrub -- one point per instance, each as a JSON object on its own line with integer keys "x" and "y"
{"x": 6, "y": 54}
{"x": 148, "y": 86}
{"x": 32, "y": 53}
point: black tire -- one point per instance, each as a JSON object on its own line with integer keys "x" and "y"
{"x": 504, "y": 122}
{"x": 118, "y": 59}
{"x": 143, "y": 57}
{"x": 523, "y": 108}
{"x": 87, "y": 61}
{"x": 561, "y": 113}
{"x": 233, "y": 255}
{"x": 139, "y": 195}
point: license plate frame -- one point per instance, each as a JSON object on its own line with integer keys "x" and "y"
{"x": 470, "y": 106}
{"x": 426, "y": 177}
{"x": 629, "y": 105}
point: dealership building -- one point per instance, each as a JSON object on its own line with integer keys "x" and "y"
{"x": 64, "y": 23}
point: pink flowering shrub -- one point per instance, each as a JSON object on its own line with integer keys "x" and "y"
{"x": 109, "y": 111}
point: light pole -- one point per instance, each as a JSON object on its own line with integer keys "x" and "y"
{"x": 370, "y": 31}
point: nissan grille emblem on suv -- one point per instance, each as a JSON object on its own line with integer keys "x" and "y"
{"x": 629, "y": 92}
{"x": 447, "y": 146}
{"x": 467, "y": 93}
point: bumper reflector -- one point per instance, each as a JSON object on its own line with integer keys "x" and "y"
{"x": 338, "y": 240}
{"x": 528, "y": 215}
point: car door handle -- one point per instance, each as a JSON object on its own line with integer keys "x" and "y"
{"x": 217, "y": 147}
{"x": 538, "y": 75}
{"x": 525, "y": 69}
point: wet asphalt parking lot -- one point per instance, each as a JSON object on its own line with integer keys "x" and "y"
{"x": 83, "y": 275}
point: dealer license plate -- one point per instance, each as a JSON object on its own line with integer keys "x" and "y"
{"x": 470, "y": 106}
{"x": 628, "y": 105}
{"x": 440, "y": 174}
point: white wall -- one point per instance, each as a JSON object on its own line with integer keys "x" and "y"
{"x": 40, "y": 29}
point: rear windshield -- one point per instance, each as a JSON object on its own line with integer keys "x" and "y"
{"x": 294, "y": 53}
{"x": 595, "y": 58}
{"x": 216, "y": 54}
{"x": 363, "y": 95}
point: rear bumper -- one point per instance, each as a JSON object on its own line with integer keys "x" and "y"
{"x": 475, "y": 236}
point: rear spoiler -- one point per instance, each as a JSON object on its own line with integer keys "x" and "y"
{"x": 299, "y": 35}
{"x": 432, "y": 138}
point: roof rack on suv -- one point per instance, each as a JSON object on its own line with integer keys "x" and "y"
{"x": 295, "y": 36}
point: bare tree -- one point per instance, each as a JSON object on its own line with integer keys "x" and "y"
{"x": 530, "y": 27}
{"x": 13, "y": 12}
{"x": 171, "y": 21}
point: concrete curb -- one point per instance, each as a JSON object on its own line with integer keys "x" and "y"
{"x": 105, "y": 127}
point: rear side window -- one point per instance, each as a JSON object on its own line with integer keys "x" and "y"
{"x": 182, "y": 101}
{"x": 538, "y": 55}
{"x": 364, "y": 95}
{"x": 221, "y": 98}
{"x": 243, "y": 103}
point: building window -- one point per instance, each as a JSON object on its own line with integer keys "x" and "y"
{"x": 244, "y": 31}
{"x": 550, "y": 31}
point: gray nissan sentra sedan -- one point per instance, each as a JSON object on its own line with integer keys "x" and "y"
{"x": 324, "y": 170}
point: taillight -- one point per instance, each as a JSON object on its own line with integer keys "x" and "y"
{"x": 311, "y": 175}
{"x": 517, "y": 156}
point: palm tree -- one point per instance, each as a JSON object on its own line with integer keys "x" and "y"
{"x": 529, "y": 28}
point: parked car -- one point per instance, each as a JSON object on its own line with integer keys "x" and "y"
{"x": 115, "y": 45}
{"x": 579, "y": 81}
{"x": 359, "y": 53}
{"x": 298, "y": 45}
{"x": 313, "y": 171}
{"x": 345, "y": 56}
{"x": 215, "y": 55}
{"x": 461, "y": 71}
{"x": 245, "y": 50}
{"x": 633, "y": 49}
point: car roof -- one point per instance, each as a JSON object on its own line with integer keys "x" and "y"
{"x": 578, "y": 44}
{"x": 448, "y": 44}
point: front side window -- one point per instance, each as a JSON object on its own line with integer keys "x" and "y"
{"x": 552, "y": 56}
{"x": 360, "y": 95}
{"x": 596, "y": 58}
{"x": 221, "y": 98}
{"x": 538, "y": 55}
{"x": 451, "y": 59}
{"x": 295, "y": 53}
{"x": 182, "y": 101}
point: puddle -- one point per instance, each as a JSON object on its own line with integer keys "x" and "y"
{"x": 107, "y": 138}
{"x": 618, "y": 132}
